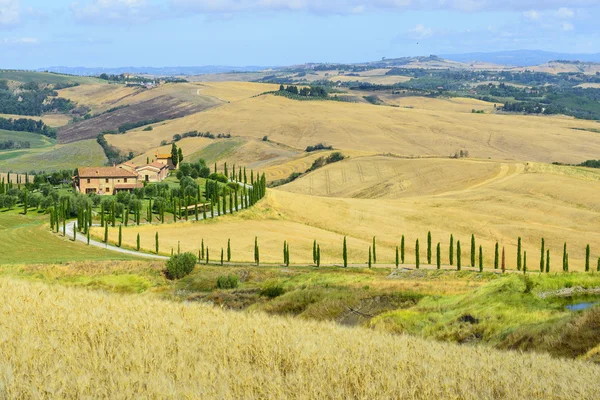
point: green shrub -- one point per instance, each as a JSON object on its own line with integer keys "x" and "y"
{"x": 272, "y": 290}
{"x": 180, "y": 265}
{"x": 228, "y": 282}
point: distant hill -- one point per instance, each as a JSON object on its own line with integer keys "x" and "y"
{"x": 520, "y": 58}
{"x": 158, "y": 71}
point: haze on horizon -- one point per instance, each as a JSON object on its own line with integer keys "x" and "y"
{"x": 110, "y": 33}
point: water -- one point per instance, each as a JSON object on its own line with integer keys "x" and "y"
{"x": 580, "y": 306}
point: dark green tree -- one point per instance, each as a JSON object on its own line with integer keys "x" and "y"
{"x": 451, "y": 250}
{"x": 565, "y": 268}
{"x": 228, "y": 250}
{"x": 519, "y": 261}
{"x": 542, "y": 254}
{"x": 587, "y": 258}
{"x": 179, "y": 156}
{"x": 156, "y": 248}
{"x": 429, "y": 248}
{"x": 417, "y": 255}
{"x": 314, "y": 252}
{"x": 480, "y": 259}
{"x": 221, "y": 256}
{"x": 174, "y": 154}
{"x": 120, "y": 236}
{"x": 402, "y": 250}
{"x": 374, "y": 251}
{"x": 138, "y": 243}
{"x": 207, "y": 255}
{"x": 472, "y": 250}
{"x": 397, "y": 257}
{"x": 345, "y": 253}
{"x": 548, "y": 261}
{"x": 318, "y": 255}
{"x": 256, "y": 251}
{"x": 524, "y": 262}
{"x": 496, "y": 256}
{"x": 438, "y": 256}
{"x": 105, "y": 233}
{"x": 369, "y": 263}
{"x": 458, "y": 256}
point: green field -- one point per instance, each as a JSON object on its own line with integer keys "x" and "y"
{"x": 69, "y": 156}
{"x": 45, "y": 77}
{"x": 26, "y": 239}
{"x": 36, "y": 140}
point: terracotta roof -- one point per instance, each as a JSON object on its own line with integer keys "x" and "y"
{"x": 127, "y": 164}
{"x": 105, "y": 172}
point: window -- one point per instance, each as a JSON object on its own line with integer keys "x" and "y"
{"x": 125, "y": 180}
{"x": 107, "y": 190}
{"x": 106, "y": 180}
{"x": 147, "y": 178}
{"x": 89, "y": 180}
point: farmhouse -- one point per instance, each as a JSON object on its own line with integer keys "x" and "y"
{"x": 106, "y": 180}
{"x": 165, "y": 159}
{"x": 155, "y": 172}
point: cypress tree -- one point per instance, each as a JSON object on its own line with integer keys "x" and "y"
{"x": 138, "y": 243}
{"x": 598, "y": 268}
{"x": 25, "y": 202}
{"x": 120, "y": 236}
{"x": 587, "y": 258}
{"x": 548, "y": 261}
{"x": 196, "y": 210}
{"x": 88, "y": 237}
{"x": 524, "y": 262}
{"x": 438, "y": 256}
{"x": 318, "y": 256}
{"x": 74, "y": 232}
{"x": 114, "y": 214}
{"x": 314, "y": 251}
{"x": 480, "y": 259}
{"x": 503, "y": 260}
{"x": 105, "y": 233}
{"x": 228, "y": 250}
{"x": 542, "y": 254}
{"x": 207, "y": 255}
{"x": 402, "y": 250}
{"x": 204, "y": 211}
{"x": 417, "y": 258}
{"x": 472, "y": 250}
{"x": 565, "y": 257}
{"x": 202, "y": 249}
{"x": 178, "y": 247}
{"x": 458, "y": 256}
{"x": 345, "y": 253}
{"x": 221, "y": 256}
{"x": 374, "y": 252}
{"x": 451, "y": 250}
{"x": 256, "y": 254}
{"x": 369, "y": 263}
{"x": 496, "y": 255}
{"x": 284, "y": 252}
{"x": 397, "y": 257}
{"x": 429, "y": 248}
{"x": 102, "y": 215}
{"x": 287, "y": 255}
{"x": 156, "y": 242}
{"x": 519, "y": 254}
{"x": 567, "y": 265}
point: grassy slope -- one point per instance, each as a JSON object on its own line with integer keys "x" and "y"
{"x": 52, "y": 120}
{"x": 69, "y": 156}
{"x": 36, "y": 140}
{"x": 27, "y": 240}
{"x": 441, "y": 127}
{"x": 136, "y": 346}
{"x": 44, "y": 77}
{"x": 520, "y": 200}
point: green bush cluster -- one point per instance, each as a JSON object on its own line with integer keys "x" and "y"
{"x": 180, "y": 265}
{"x": 228, "y": 282}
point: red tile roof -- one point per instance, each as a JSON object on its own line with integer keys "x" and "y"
{"x": 155, "y": 165}
{"x": 105, "y": 172}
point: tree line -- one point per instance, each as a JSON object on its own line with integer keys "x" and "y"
{"x": 27, "y": 125}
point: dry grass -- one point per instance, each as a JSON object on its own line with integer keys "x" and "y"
{"x": 455, "y": 104}
{"x": 52, "y": 120}
{"x": 100, "y": 345}
{"x": 386, "y": 177}
{"x": 378, "y": 129}
{"x": 508, "y": 201}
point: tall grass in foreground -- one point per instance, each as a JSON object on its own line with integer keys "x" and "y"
{"x": 118, "y": 346}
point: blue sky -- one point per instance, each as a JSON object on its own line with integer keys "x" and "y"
{"x": 112, "y": 33}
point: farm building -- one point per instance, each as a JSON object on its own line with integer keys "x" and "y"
{"x": 154, "y": 172}
{"x": 106, "y": 180}
{"x": 165, "y": 159}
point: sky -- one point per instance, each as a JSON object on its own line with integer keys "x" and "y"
{"x": 115, "y": 33}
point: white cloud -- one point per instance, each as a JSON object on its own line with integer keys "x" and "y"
{"x": 564, "y": 13}
{"x": 567, "y": 26}
{"x": 532, "y": 15}
{"x": 9, "y": 12}
{"x": 113, "y": 10}
{"x": 17, "y": 41}
{"x": 420, "y": 31}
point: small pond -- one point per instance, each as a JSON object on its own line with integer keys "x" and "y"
{"x": 581, "y": 306}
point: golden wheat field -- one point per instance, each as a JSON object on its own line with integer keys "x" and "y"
{"x": 440, "y": 127}
{"x": 69, "y": 343}
{"x": 497, "y": 202}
